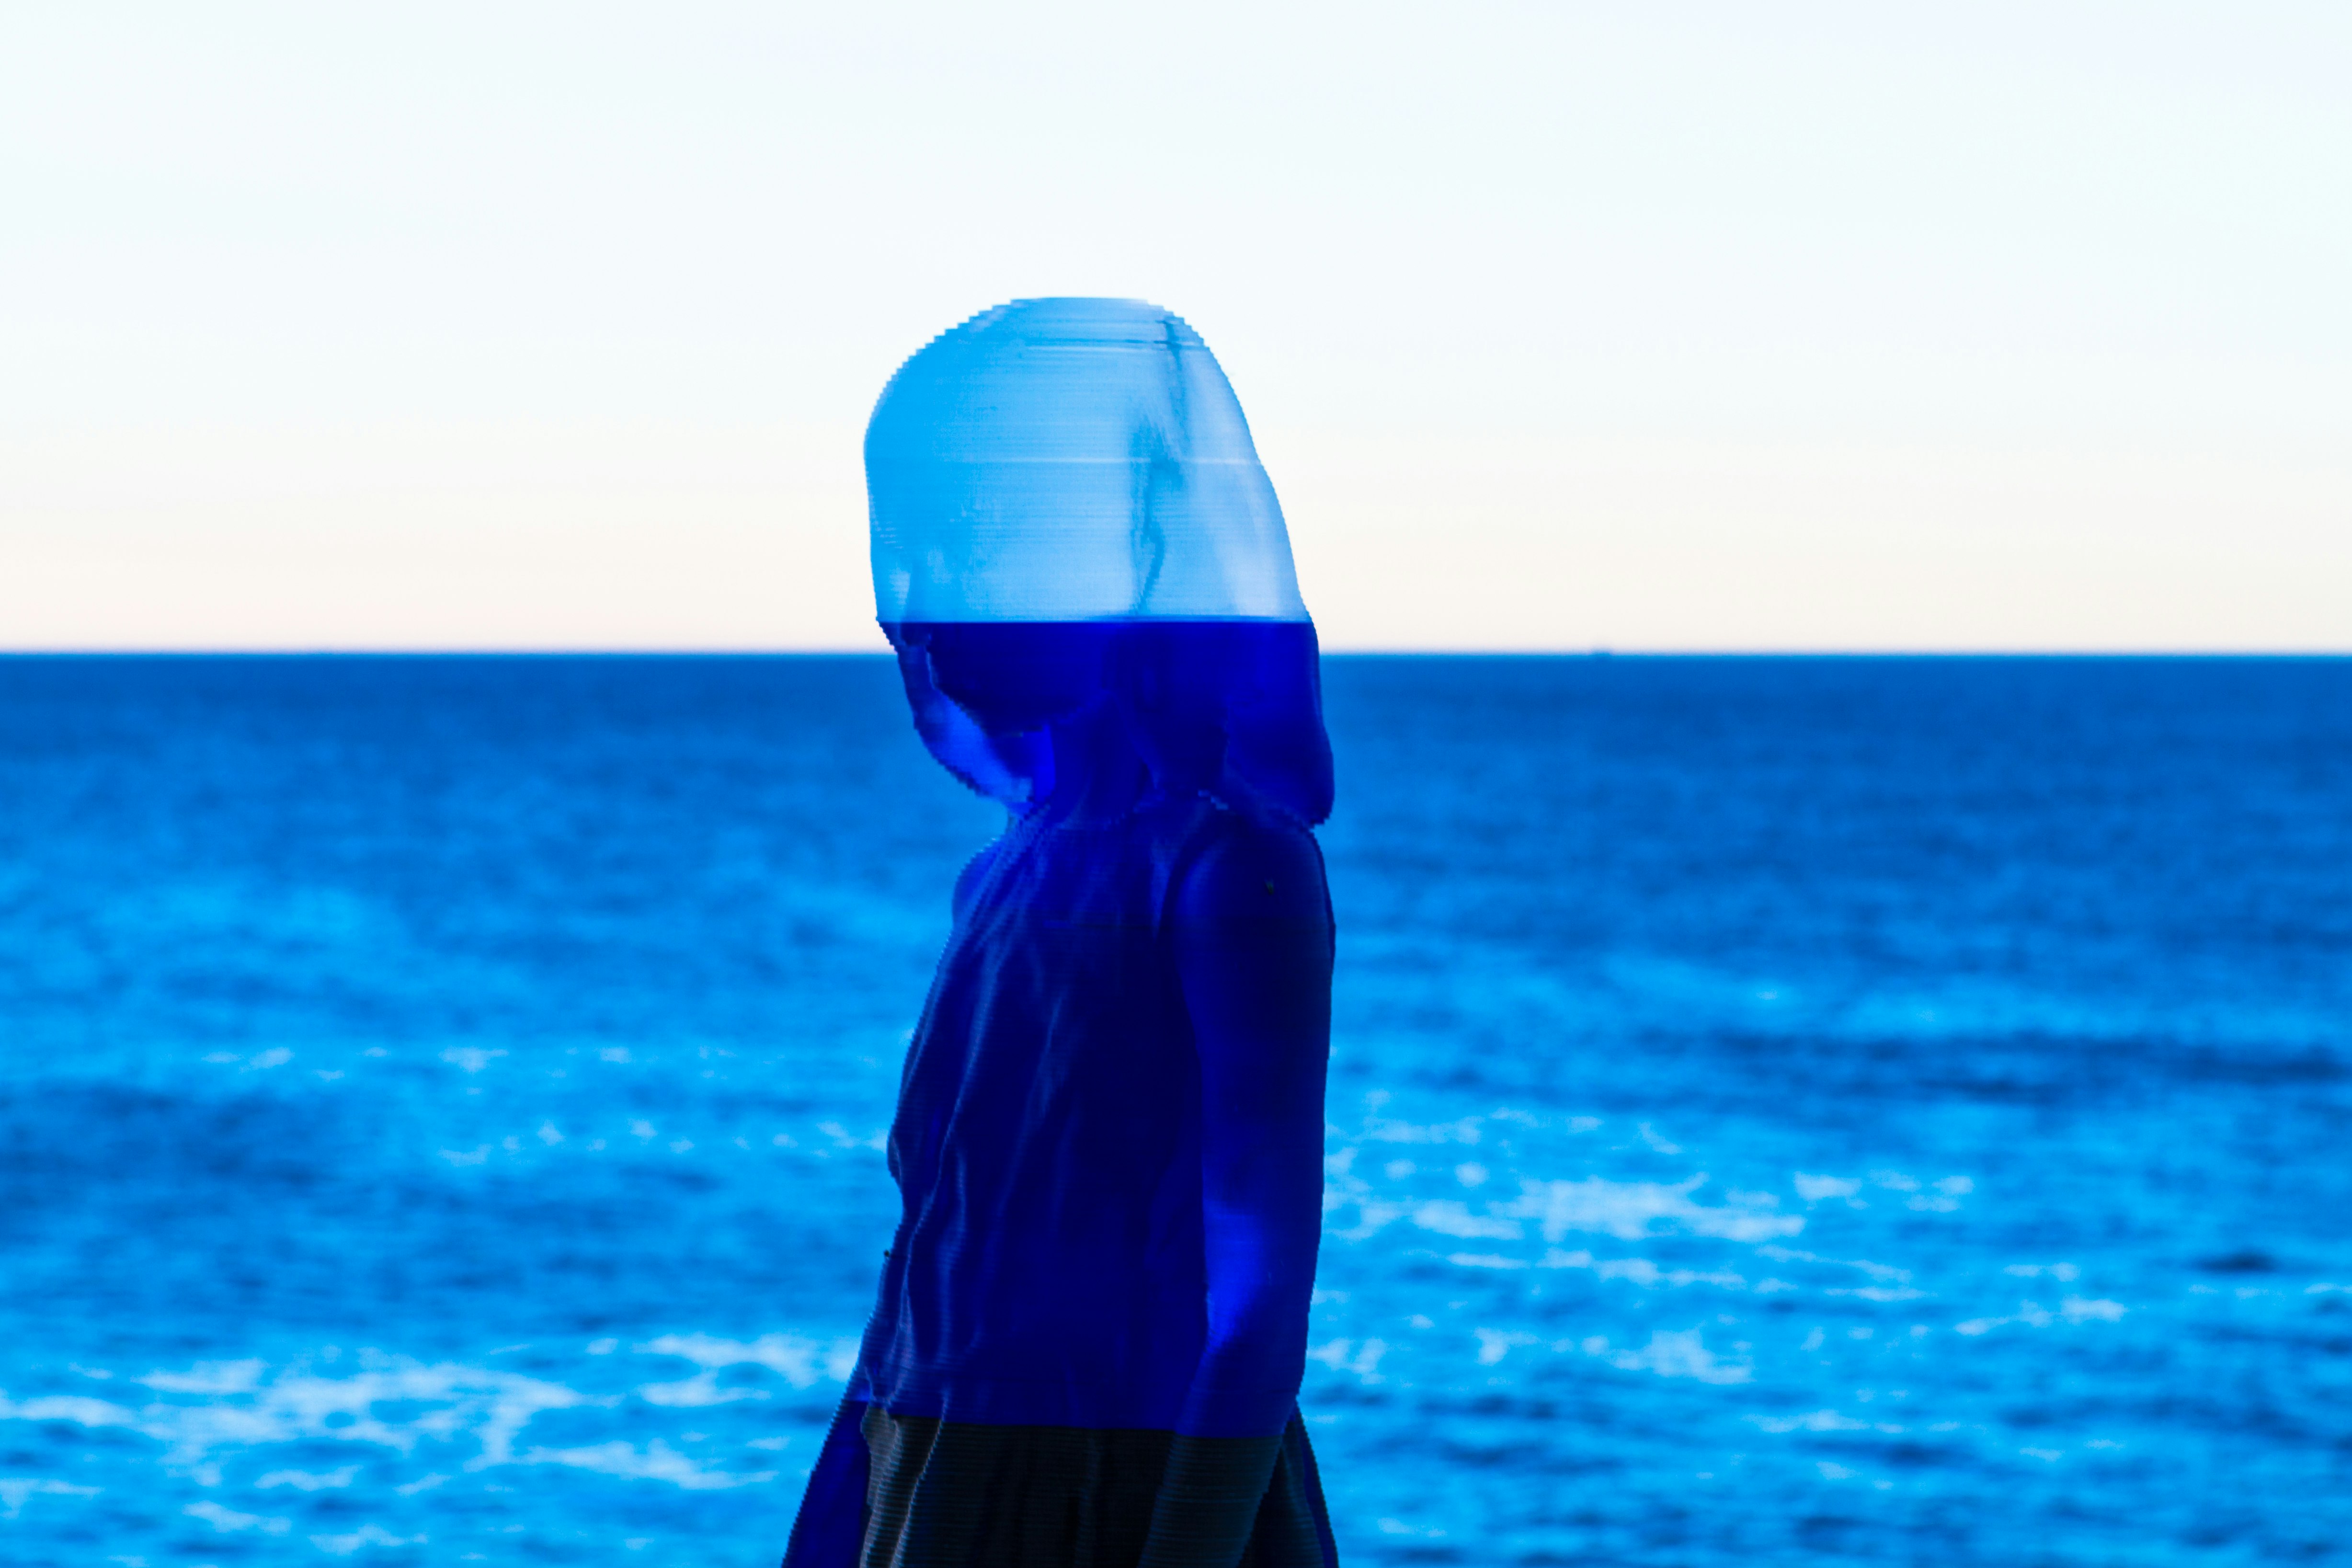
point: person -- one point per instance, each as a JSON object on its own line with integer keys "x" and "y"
{"x": 1091, "y": 1326}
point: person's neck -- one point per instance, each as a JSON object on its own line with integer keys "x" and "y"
{"x": 1098, "y": 776}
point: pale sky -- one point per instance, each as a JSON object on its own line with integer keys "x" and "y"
{"x": 1559, "y": 326}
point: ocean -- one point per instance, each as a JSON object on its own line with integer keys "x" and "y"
{"x": 1783, "y": 1110}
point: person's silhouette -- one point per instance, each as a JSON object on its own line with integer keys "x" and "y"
{"x": 1092, "y": 1321}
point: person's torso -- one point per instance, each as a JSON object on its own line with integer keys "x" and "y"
{"x": 1049, "y": 1267}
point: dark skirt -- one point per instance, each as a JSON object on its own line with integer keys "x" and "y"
{"x": 947, "y": 1494}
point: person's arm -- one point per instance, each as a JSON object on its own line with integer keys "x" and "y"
{"x": 1252, "y": 929}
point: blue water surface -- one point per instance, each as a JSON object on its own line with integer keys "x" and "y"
{"x": 1783, "y": 1110}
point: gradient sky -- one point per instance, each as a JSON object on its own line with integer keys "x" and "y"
{"x": 1689, "y": 326}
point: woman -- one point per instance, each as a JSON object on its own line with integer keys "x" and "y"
{"x": 1092, "y": 1319}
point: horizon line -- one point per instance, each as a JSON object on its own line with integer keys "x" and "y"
{"x": 1373, "y": 651}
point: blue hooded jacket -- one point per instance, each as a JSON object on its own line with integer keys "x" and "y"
{"x": 1109, "y": 1130}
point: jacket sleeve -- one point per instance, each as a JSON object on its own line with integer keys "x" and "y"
{"x": 1251, "y": 927}
{"x": 830, "y": 1530}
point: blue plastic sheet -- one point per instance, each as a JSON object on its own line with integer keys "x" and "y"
{"x": 1071, "y": 460}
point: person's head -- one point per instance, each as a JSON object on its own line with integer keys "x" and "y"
{"x": 1012, "y": 676}
{"x": 1068, "y": 517}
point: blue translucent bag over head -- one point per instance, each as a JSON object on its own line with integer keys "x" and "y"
{"x": 1066, "y": 493}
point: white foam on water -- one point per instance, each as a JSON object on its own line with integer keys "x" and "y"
{"x": 1641, "y": 1270}
{"x": 1670, "y": 1355}
{"x": 2079, "y": 1310}
{"x": 365, "y": 1535}
{"x": 1379, "y": 1130}
{"x": 1815, "y": 1421}
{"x": 241, "y": 1409}
{"x": 657, "y": 1462}
{"x": 1370, "y": 1217}
{"x": 1451, "y": 1216}
{"x": 303, "y": 1480}
{"x": 695, "y": 1392}
{"x": 1885, "y": 1271}
{"x": 229, "y": 1519}
{"x": 803, "y": 1363}
{"x": 1815, "y": 1189}
{"x": 208, "y": 1377}
{"x": 2033, "y": 1315}
{"x": 79, "y": 1409}
{"x": 208, "y": 1413}
{"x": 1413, "y": 1531}
{"x": 1348, "y": 1355}
{"x": 1493, "y": 1344}
{"x": 1628, "y": 1210}
{"x": 16, "y": 1489}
